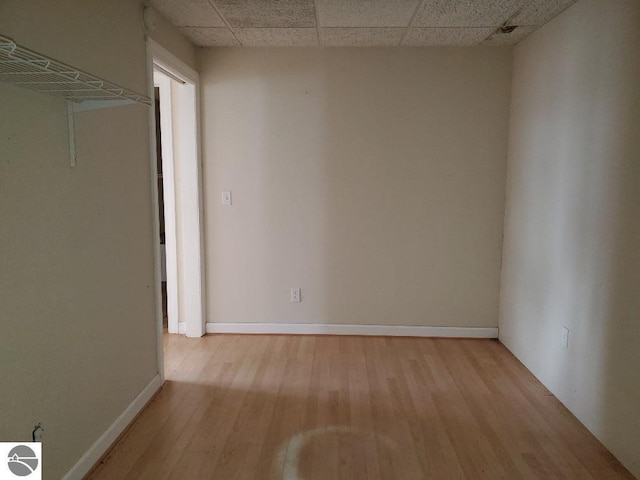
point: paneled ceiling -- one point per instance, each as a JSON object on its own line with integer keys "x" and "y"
{"x": 258, "y": 23}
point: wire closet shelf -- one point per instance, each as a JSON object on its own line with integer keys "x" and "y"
{"x": 23, "y": 67}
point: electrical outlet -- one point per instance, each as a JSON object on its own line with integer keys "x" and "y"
{"x": 564, "y": 337}
{"x": 226, "y": 198}
{"x": 295, "y": 295}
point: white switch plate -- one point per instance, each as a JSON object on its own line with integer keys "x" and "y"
{"x": 295, "y": 295}
{"x": 564, "y": 337}
{"x": 226, "y": 198}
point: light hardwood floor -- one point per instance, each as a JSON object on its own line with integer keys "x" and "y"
{"x": 322, "y": 408}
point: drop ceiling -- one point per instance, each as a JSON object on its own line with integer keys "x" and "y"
{"x": 263, "y": 23}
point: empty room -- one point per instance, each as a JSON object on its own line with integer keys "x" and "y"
{"x": 320, "y": 239}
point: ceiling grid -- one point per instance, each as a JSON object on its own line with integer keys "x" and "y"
{"x": 257, "y": 23}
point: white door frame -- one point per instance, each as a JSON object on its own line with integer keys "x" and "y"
{"x": 190, "y": 254}
{"x": 168, "y": 179}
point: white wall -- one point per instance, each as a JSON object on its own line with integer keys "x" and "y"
{"x": 371, "y": 178}
{"x": 572, "y": 230}
{"x": 78, "y": 316}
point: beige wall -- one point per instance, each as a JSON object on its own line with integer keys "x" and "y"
{"x": 371, "y": 178}
{"x": 171, "y": 39}
{"x": 572, "y": 231}
{"x": 78, "y": 339}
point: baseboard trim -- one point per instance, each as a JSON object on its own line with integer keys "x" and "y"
{"x": 338, "y": 329}
{"x": 106, "y": 440}
{"x": 182, "y": 328}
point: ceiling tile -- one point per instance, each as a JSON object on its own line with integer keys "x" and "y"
{"x": 466, "y": 13}
{"x": 365, "y": 13}
{"x": 512, "y": 38}
{"x": 267, "y": 13}
{"x": 191, "y": 13}
{"x": 277, "y": 37}
{"x": 538, "y": 12}
{"x": 361, "y": 37}
{"x": 210, "y": 37}
{"x": 420, "y": 37}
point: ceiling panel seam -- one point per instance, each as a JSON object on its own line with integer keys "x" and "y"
{"x": 225, "y": 22}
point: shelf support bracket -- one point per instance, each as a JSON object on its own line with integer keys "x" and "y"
{"x": 86, "y": 106}
{"x": 72, "y": 134}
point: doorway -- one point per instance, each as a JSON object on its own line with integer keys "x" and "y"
{"x": 177, "y": 195}
{"x": 167, "y": 207}
{"x": 161, "y": 221}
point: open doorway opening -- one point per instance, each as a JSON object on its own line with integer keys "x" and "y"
{"x": 167, "y": 207}
{"x": 161, "y": 222}
{"x": 178, "y": 196}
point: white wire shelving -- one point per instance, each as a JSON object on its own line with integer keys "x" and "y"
{"x": 83, "y": 91}
{"x": 29, "y": 69}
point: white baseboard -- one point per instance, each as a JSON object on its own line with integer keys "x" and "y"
{"x": 182, "y": 328}
{"x": 91, "y": 457}
{"x": 338, "y": 329}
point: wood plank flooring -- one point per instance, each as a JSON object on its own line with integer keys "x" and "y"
{"x": 277, "y": 407}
